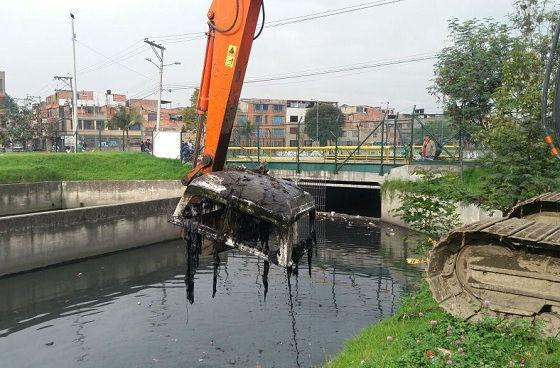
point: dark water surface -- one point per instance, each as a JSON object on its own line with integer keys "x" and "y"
{"x": 130, "y": 309}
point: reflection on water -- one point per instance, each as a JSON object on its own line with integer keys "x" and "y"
{"x": 130, "y": 309}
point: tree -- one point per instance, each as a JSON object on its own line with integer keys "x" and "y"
{"x": 518, "y": 165}
{"x": 245, "y": 130}
{"x": 330, "y": 121}
{"x": 469, "y": 71}
{"x": 17, "y": 122}
{"x": 124, "y": 119}
{"x": 190, "y": 115}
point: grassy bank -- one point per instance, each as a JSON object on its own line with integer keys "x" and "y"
{"x": 421, "y": 334}
{"x": 33, "y": 167}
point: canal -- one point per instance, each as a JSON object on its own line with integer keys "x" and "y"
{"x": 130, "y": 309}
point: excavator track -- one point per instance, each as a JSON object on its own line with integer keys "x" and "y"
{"x": 508, "y": 266}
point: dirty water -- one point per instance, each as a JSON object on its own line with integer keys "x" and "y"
{"x": 130, "y": 309}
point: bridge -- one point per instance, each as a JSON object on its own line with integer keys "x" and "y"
{"x": 341, "y": 163}
{"x": 343, "y": 179}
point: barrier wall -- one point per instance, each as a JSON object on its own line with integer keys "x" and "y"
{"x": 41, "y": 239}
{"x": 46, "y": 196}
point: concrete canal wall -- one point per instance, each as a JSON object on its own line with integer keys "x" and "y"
{"x": 41, "y": 239}
{"x": 42, "y": 224}
{"x": 56, "y": 195}
{"x": 390, "y": 201}
{"x": 30, "y": 197}
{"x": 468, "y": 213}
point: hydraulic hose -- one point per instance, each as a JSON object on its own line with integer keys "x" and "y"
{"x": 556, "y": 103}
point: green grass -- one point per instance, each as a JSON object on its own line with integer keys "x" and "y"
{"x": 491, "y": 343}
{"x": 34, "y": 167}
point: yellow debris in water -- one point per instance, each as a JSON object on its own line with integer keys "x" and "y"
{"x": 415, "y": 261}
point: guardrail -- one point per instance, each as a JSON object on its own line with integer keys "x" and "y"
{"x": 332, "y": 153}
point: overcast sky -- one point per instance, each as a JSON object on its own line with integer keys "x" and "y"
{"x": 36, "y": 45}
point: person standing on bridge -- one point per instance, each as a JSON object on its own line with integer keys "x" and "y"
{"x": 425, "y": 143}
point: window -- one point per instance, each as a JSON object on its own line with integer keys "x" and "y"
{"x": 241, "y": 119}
{"x": 260, "y": 107}
{"x": 277, "y": 108}
{"x": 293, "y": 143}
{"x": 258, "y": 119}
{"x": 87, "y": 124}
{"x": 99, "y": 124}
{"x": 278, "y": 120}
{"x": 136, "y": 126}
{"x": 294, "y": 119}
{"x": 293, "y": 130}
{"x": 152, "y": 116}
{"x": 278, "y": 133}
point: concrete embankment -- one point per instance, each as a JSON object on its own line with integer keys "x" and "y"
{"x": 390, "y": 200}
{"x": 96, "y": 218}
{"x": 468, "y": 213}
{"x": 46, "y": 196}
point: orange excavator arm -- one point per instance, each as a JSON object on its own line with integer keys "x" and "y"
{"x": 231, "y": 29}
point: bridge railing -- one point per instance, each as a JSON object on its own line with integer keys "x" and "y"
{"x": 363, "y": 154}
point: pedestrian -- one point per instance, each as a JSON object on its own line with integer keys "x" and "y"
{"x": 148, "y": 145}
{"x": 430, "y": 149}
{"x": 425, "y": 143}
{"x": 439, "y": 149}
{"x": 142, "y": 146}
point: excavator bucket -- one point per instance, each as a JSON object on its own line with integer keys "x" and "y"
{"x": 253, "y": 212}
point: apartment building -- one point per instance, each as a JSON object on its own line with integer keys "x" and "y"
{"x": 267, "y": 117}
{"x": 359, "y": 122}
{"x": 295, "y": 118}
{"x": 95, "y": 111}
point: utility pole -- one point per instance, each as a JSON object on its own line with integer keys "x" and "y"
{"x": 68, "y": 82}
{"x": 74, "y": 89}
{"x": 317, "y": 125}
{"x": 159, "y": 55}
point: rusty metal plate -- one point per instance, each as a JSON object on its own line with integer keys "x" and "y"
{"x": 536, "y": 232}
{"x": 508, "y": 227}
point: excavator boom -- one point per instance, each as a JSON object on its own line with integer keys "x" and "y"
{"x": 231, "y": 28}
{"x": 241, "y": 209}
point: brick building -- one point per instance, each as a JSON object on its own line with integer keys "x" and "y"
{"x": 266, "y": 116}
{"x": 3, "y": 95}
{"x": 95, "y": 111}
{"x": 359, "y": 121}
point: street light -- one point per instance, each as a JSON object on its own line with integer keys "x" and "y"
{"x": 160, "y": 68}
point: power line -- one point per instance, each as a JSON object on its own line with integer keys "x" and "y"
{"x": 115, "y": 61}
{"x": 362, "y": 66}
{"x": 180, "y": 35}
{"x": 329, "y": 13}
{"x": 193, "y": 36}
{"x": 340, "y": 70}
{"x": 104, "y": 63}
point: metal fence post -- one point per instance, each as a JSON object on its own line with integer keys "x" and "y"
{"x": 395, "y": 140}
{"x": 382, "y": 145}
{"x": 298, "y": 147}
{"x": 411, "y": 153}
{"x": 336, "y": 155}
{"x": 258, "y": 143}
